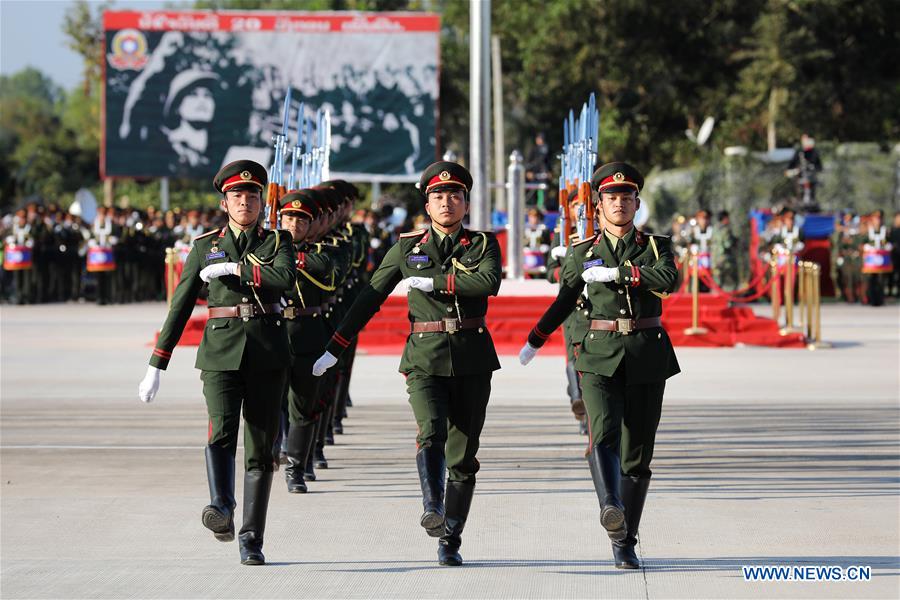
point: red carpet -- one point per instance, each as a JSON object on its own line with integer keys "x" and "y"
{"x": 510, "y": 318}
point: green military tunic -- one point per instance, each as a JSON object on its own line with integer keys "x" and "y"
{"x": 243, "y": 359}
{"x": 448, "y": 374}
{"x": 307, "y": 302}
{"x": 623, "y": 375}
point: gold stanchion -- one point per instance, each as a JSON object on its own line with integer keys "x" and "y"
{"x": 171, "y": 259}
{"x": 812, "y": 284}
{"x": 803, "y": 297}
{"x": 816, "y": 341}
{"x": 776, "y": 292}
{"x": 695, "y": 328}
{"x": 789, "y": 296}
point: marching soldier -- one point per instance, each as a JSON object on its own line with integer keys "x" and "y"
{"x": 449, "y": 357}
{"x": 336, "y": 243}
{"x": 359, "y": 242}
{"x": 626, "y": 357}
{"x": 307, "y": 331}
{"x": 575, "y": 325}
{"x": 244, "y": 354}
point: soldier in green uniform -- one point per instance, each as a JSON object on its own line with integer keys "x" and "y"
{"x": 339, "y": 247}
{"x": 449, "y": 357}
{"x": 626, "y": 355}
{"x": 359, "y": 242}
{"x": 576, "y": 324}
{"x": 307, "y": 331}
{"x": 244, "y": 354}
{"x": 723, "y": 247}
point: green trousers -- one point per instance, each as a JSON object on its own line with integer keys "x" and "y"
{"x": 623, "y": 417}
{"x": 450, "y": 414}
{"x": 258, "y": 395}
{"x": 304, "y": 395}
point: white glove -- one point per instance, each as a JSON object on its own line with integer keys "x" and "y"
{"x": 150, "y": 385}
{"x": 558, "y": 252}
{"x": 426, "y": 284}
{"x": 527, "y": 353}
{"x": 325, "y": 362}
{"x": 218, "y": 270}
{"x": 599, "y": 275}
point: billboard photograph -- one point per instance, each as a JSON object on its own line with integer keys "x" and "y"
{"x": 186, "y": 92}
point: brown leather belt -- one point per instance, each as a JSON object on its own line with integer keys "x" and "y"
{"x": 245, "y": 311}
{"x": 446, "y": 325}
{"x": 625, "y": 326}
{"x": 292, "y": 312}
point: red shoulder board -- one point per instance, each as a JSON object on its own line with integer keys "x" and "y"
{"x": 584, "y": 240}
{"x": 203, "y": 235}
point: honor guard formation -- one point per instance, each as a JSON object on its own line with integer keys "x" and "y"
{"x": 286, "y": 304}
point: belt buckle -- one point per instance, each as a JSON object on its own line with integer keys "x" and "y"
{"x": 245, "y": 310}
{"x": 451, "y": 325}
{"x": 624, "y": 326}
{"x": 289, "y": 312}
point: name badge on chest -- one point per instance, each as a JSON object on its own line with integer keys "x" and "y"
{"x": 418, "y": 261}
{"x": 214, "y": 255}
{"x": 597, "y": 262}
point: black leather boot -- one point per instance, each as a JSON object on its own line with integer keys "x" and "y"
{"x": 634, "y": 493}
{"x": 340, "y": 409}
{"x": 298, "y": 444}
{"x": 319, "y": 459}
{"x": 606, "y": 473}
{"x": 430, "y": 464}
{"x": 218, "y": 517}
{"x": 309, "y": 473}
{"x": 458, "y": 502}
{"x": 257, "y": 485}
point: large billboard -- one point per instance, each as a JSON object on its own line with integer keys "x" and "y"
{"x": 186, "y": 92}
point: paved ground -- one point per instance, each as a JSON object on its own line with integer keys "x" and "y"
{"x": 765, "y": 457}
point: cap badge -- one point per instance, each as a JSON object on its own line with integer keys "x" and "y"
{"x": 246, "y": 176}
{"x": 295, "y": 204}
{"x": 619, "y": 176}
{"x": 444, "y": 176}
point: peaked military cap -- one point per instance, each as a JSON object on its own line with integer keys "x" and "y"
{"x": 444, "y": 175}
{"x": 240, "y": 173}
{"x": 300, "y": 202}
{"x": 328, "y": 197}
{"x": 347, "y": 189}
{"x": 617, "y": 177}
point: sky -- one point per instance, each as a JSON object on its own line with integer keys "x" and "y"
{"x": 31, "y": 35}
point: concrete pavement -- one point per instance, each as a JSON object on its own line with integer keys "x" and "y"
{"x": 764, "y": 457}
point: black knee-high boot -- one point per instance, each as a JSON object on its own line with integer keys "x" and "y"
{"x": 431, "y": 466}
{"x": 298, "y": 445}
{"x": 218, "y": 516}
{"x": 257, "y": 486}
{"x": 634, "y": 493}
{"x": 606, "y": 473}
{"x": 457, "y": 504}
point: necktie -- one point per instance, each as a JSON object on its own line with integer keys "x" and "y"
{"x": 242, "y": 242}
{"x": 620, "y": 248}
{"x": 446, "y": 247}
